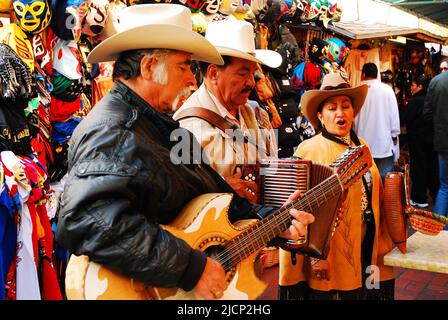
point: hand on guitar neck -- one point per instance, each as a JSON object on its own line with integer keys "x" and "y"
{"x": 298, "y": 227}
{"x": 212, "y": 283}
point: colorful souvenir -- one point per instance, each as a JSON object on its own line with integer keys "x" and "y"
{"x": 33, "y": 16}
{"x": 66, "y": 59}
{"x": 112, "y": 20}
{"x": 228, "y": 7}
{"x": 337, "y": 50}
{"x": 95, "y": 18}
{"x": 5, "y": 5}
{"x": 14, "y": 37}
{"x": 317, "y": 50}
{"x": 199, "y": 22}
{"x": 313, "y": 9}
{"x": 212, "y": 6}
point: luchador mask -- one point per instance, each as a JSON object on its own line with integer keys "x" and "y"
{"x": 337, "y": 50}
{"x": 95, "y": 18}
{"x": 318, "y": 50}
{"x": 199, "y": 22}
{"x": 313, "y": 9}
{"x": 229, "y": 7}
{"x": 32, "y": 16}
{"x": 212, "y": 6}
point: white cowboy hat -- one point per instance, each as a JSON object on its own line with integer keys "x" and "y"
{"x": 333, "y": 84}
{"x": 158, "y": 26}
{"x": 236, "y": 38}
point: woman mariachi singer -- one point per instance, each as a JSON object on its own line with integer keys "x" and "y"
{"x": 361, "y": 238}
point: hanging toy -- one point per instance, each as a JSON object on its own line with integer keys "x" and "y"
{"x": 337, "y": 50}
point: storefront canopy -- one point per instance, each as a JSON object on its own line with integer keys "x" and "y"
{"x": 363, "y": 19}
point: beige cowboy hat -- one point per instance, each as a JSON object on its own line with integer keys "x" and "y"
{"x": 236, "y": 38}
{"x": 158, "y": 26}
{"x": 333, "y": 84}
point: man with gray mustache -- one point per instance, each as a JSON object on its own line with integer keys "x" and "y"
{"x": 225, "y": 92}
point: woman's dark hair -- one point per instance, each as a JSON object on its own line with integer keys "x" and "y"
{"x": 421, "y": 80}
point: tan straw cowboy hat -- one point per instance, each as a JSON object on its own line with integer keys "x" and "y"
{"x": 158, "y": 26}
{"x": 333, "y": 84}
{"x": 236, "y": 38}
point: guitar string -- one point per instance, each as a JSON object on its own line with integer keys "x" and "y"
{"x": 229, "y": 253}
{"x": 283, "y": 219}
{"x": 280, "y": 218}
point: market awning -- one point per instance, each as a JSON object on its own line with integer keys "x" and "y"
{"x": 436, "y": 10}
{"x": 363, "y": 19}
{"x": 358, "y": 30}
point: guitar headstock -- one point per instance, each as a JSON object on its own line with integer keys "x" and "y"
{"x": 352, "y": 164}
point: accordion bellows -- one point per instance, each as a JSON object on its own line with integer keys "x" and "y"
{"x": 281, "y": 177}
{"x": 394, "y": 195}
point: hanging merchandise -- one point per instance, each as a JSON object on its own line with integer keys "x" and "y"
{"x": 66, "y": 59}
{"x": 95, "y": 18}
{"x": 15, "y": 76}
{"x": 33, "y": 16}
{"x": 5, "y": 5}
{"x": 112, "y": 20}
{"x": 17, "y": 40}
{"x": 286, "y": 44}
{"x": 64, "y": 21}
{"x": 199, "y": 22}
{"x": 42, "y": 56}
{"x": 228, "y": 7}
{"x": 337, "y": 52}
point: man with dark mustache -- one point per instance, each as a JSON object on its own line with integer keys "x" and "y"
{"x": 225, "y": 92}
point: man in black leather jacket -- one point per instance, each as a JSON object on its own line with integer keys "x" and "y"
{"x": 122, "y": 183}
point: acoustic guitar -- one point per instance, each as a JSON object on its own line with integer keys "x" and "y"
{"x": 205, "y": 226}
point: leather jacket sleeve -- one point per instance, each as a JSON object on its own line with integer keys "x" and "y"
{"x": 99, "y": 217}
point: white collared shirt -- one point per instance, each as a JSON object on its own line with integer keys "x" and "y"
{"x": 379, "y": 121}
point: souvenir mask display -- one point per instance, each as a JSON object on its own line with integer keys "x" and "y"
{"x": 194, "y": 5}
{"x": 313, "y": 9}
{"x": 33, "y": 16}
{"x": 5, "y": 5}
{"x": 16, "y": 39}
{"x": 212, "y": 6}
{"x": 199, "y": 22}
{"x": 337, "y": 50}
{"x": 318, "y": 50}
{"x": 66, "y": 59}
{"x": 229, "y": 7}
{"x": 95, "y": 18}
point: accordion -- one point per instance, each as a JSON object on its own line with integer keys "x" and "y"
{"x": 279, "y": 178}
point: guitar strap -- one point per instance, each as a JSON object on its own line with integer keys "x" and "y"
{"x": 217, "y": 121}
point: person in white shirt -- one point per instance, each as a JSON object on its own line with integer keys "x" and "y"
{"x": 378, "y": 123}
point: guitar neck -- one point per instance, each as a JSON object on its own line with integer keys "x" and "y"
{"x": 256, "y": 237}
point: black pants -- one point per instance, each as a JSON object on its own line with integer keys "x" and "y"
{"x": 424, "y": 170}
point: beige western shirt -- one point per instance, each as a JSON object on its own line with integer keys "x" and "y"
{"x": 222, "y": 151}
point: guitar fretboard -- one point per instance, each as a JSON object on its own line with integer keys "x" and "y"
{"x": 256, "y": 236}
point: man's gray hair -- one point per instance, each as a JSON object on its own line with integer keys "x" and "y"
{"x": 127, "y": 65}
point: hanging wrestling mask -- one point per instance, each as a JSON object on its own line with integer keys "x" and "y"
{"x": 33, "y": 16}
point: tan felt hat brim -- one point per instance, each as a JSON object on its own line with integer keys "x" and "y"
{"x": 312, "y": 99}
{"x": 158, "y": 36}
